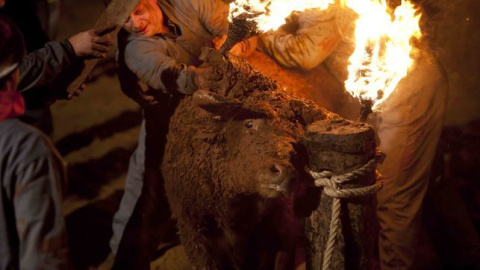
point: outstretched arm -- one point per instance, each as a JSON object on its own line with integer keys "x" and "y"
{"x": 315, "y": 39}
{"x": 149, "y": 60}
{"x": 42, "y": 66}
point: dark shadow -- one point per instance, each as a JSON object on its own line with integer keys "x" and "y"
{"x": 451, "y": 205}
{"x": 462, "y": 146}
{"x": 78, "y": 140}
{"x": 89, "y": 230}
{"x": 352, "y": 252}
{"x": 86, "y": 179}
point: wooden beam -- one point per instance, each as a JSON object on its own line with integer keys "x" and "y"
{"x": 116, "y": 13}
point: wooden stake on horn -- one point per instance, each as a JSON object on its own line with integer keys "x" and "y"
{"x": 116, "y": 13}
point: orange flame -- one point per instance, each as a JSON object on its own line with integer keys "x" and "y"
{"x": 271, "y": 14}
{"x": 382, "y": 55}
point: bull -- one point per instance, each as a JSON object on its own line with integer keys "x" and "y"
{"x": 234, "y": 174}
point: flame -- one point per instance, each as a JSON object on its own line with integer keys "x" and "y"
{"x": 382, "y": 55}
{"x": 271, "y": 14}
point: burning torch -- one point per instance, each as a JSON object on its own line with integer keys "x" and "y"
{"x": 382, "y": 55}
{"x": 249, "y": 18}
{"x": 240, "y": 28}
{"x": 365, "y": 110}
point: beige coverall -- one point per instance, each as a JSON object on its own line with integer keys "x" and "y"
{"x": 409, "y": 129}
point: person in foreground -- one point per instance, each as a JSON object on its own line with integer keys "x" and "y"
{"x": 32, "y": 173}
{"x": 50, "y": 66}
{"x": 32, "y": 176}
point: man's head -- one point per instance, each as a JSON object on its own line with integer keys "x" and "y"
{"x": 11, "y": 51}
{"x": 146, "y": 19}
{"x": 2, "y": 3}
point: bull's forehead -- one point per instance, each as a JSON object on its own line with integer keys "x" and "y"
{"x": 269, "y": 110}
{"x": 264, "y": 129}
{"x": 274, "y": 103}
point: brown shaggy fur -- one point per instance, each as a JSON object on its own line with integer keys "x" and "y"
{"x": 219, "y": 164}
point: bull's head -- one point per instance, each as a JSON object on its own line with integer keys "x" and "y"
{"x": 258, "y": 146}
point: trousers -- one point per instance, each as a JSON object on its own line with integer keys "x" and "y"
{"x": 143, "y": 208}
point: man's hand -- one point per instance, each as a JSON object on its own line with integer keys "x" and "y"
{"x": 92, "y": 43}
{"x": 242, "y": 49}
{"x": 245, "y": 47}
{"x": 218, "y": 41}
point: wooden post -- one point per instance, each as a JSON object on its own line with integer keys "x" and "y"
{"x": 342, "y": 146}
{"x": 116, "y": 13}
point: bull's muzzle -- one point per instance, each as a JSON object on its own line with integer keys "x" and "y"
{"x": 277, "y": 179}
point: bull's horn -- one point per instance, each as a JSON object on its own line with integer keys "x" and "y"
{"x": 227, "y": 108}
{"x": 205, "y": 97}
{"x": 215, "y": 103}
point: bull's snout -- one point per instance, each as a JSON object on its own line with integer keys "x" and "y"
{"x": 278, "y": 178}
{"x": 275, "y": 178}
{"x": 281, "y": 174}
{"x": 276, "y": 170}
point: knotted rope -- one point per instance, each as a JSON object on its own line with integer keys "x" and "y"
{"x": 331, "y": 187}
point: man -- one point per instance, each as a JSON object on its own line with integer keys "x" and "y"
{"x": 158, "y": 59}
{"x": 32, "y": 176}
{"x": 314, "y": 46}
{"x": 31, "y": 171}
{"x": 68, "y": 63}
{"x": 408, "y": 126}
{"x": 27, "y": 16}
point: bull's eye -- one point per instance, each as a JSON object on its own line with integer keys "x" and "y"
{"x": 249, "y": 124}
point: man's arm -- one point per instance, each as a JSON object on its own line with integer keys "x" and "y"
{"x": 42, "y": 66}
{"x": 213, "y": 14}
{"x": 316, "y": 38}
{"x": 148, "y": 59}
{"x": 38, "y": 214}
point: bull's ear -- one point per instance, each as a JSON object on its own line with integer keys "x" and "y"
{"x": 227, "y": 108}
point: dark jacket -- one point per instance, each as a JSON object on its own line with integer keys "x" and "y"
{"x": 32, "y": 176}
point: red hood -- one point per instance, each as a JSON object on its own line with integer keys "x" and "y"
{"x": 11, "y": 105}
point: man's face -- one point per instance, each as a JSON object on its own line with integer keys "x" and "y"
{"x": 145, "y": 20}
{"x": 2, "y": 3}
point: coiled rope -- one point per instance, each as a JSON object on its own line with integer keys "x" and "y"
{"x": 331, "y": 187}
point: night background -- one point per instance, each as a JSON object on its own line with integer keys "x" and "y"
{"x": 97, "y": 132}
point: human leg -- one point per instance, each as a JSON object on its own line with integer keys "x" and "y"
{"x": 141, "y": 235}
{"x": 133, "y": 188}
{"x": 405, "y": 171}
{"x": 447, "y": 221}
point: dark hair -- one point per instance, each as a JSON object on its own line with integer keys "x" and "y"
{"x": 12, "y": 47}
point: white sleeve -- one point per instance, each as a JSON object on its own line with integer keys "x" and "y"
{"x": 315, "y": 39}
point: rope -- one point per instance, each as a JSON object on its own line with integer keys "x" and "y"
{"x": 331, "y": 187}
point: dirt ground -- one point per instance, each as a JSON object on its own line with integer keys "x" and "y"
{"x": 97, "y": 132}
